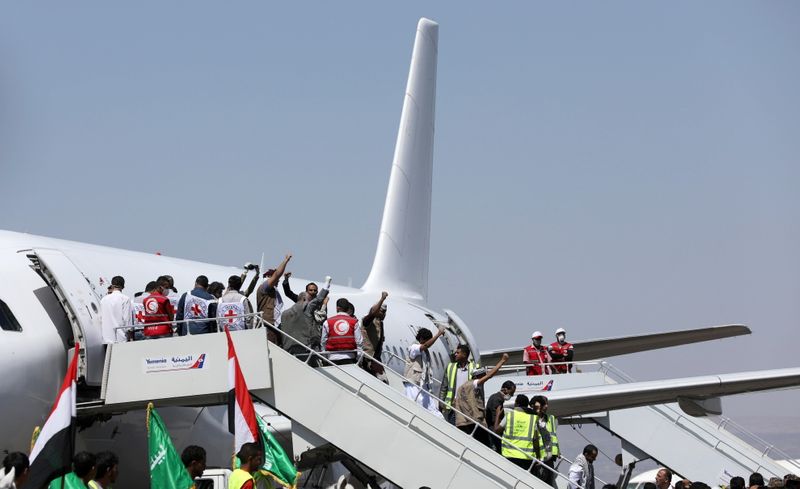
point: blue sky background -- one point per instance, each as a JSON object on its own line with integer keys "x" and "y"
{"x": 612, "y": 168}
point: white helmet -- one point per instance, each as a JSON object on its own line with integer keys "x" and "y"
{"x": 561, "y": 331}
{"x": 537, "y": 334}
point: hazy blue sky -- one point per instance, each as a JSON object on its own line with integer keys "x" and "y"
{"x": 611, "y": 168}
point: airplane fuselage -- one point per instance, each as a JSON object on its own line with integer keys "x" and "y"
{"x": 34, "y": 358}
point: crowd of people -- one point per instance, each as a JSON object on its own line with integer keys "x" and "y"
{"x": 525, "y": 434}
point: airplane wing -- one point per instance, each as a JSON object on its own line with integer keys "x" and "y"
{"x": 609, "y": 347}
{"x": 570, "y": 402}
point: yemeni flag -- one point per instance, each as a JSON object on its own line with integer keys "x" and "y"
{"x": 51, "y": 455}
{"x": 247, "y": 427}
{"x": 166, "y": 469}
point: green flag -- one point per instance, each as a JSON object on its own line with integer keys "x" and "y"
{"x": 166, "y": 469}
{"x": 69, "y": 481}
{"x": 277, "y": 464}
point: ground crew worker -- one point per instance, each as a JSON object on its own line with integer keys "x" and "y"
{"x": 455, "y": 375}
{"x": 494, "y": 410}
{"x": 561, "y": 351}
{"x": 547, "y": 449}
{"x": 536, "y": 355}
{"x": 251, "y": 456}
{"x": 157, "y": 309}
{"x": 196, "y": 305}
{"x": 342, "y": 333}
{"x": 518, "y": 425}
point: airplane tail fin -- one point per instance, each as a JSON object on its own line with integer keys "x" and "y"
{"x": 401, "y": 260}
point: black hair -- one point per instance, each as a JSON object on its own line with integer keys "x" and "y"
{"x": 83, "y": 463}
{"x": 18, "y": 460}
{"x": 248, "y": 451}
{"x": 118, "y": 282}
{"x": 234, "y": 282}
{"x": 650, "y": 485}
{"x": 191, "y": 454}
{"x": 163, "y": 281}
{"x": 150, "y": 286}
{"x": 540, "y": 399}
{"x": 508, "y": 384}
{"x": 521, "y": 401}
{"x": 756, "y": 479}
{"x": 589, "y": 449}
{"x": 424, "y": 334}
{"x": 342, "y": 303}
{"x": 736, "y": 483}
{"x": 105, "y": 462}
{"x": 699, "y": 485}
{"x": 215, "y": 288}
{"x": 202, "y": 281}
{"x": 464, "y": 348}
{"x": 310, "y": 284}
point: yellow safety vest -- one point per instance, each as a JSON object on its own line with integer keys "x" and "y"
{"x": 550, "y": 426}
{"x": 238, "y": 478}
{"x": 452, "y": 368}
{"x": 518, "y": 436}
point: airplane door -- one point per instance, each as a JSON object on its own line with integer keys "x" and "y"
{"x": 81, "y": 304}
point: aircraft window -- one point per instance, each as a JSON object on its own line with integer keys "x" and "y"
{"x": 7, "y": 320}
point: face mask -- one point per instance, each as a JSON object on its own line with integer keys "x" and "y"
{"x": 561, "y": 338}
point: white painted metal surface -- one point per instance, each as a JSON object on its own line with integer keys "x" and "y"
{"x": 401, "y": 259}
{"x": 386, "y": 431}
{"x": 82, "y": 305}
{"x": 186, "y": 370}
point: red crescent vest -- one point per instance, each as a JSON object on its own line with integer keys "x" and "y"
{"x": 341, "y": 333}
{"x": 559, "y": 354}
{"x": 155, "y": 311}
{"x": 537, "y": 357}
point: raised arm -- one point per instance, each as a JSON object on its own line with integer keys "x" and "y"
{"x": 273, "y": 280}
{"x": 494, "y": 370}
{"x": 287, "y": 290}
{"x": 430, "y": 342}
{"x": 253, "y": 282}
{"x": 376, "y": 307}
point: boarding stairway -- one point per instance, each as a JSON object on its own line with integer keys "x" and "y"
{"x": 696, "y": 447}
{"x": 365, "y": 418}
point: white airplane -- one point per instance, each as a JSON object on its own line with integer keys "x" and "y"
{"x": 49, "y": 299}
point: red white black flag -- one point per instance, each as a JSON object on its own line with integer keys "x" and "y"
{"x": 51, "y": 455}
{"x": 241, "y": 413}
